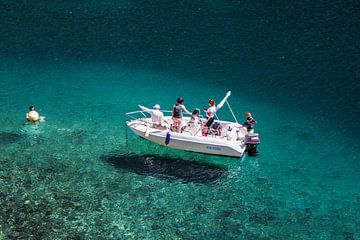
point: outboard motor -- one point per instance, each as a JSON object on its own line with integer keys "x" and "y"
{"x": 251, "y": 141}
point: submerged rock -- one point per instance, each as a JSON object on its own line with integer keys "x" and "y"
{"x": 9, "y": 138}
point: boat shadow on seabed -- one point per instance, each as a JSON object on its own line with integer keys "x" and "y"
{"x": 167, "y": 168}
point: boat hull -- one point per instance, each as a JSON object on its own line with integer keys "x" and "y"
{"x": 206, "y": 145}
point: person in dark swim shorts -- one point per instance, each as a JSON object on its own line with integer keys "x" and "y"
{"x": 249, "y": 123}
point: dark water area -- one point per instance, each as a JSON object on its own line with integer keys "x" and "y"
{"x": 308, "y": 51}
{"x": 9, "y": 138}
{"x": 83, "y": 64}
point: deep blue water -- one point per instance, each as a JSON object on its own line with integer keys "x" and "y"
{"x": 295, "y": 65}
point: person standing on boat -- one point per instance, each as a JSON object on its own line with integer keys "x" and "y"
{"x": 211, "y": 111}
{"x": 157, "y": 117}
{"x": 250, "y": 122}
{"x": 177, "y": 114}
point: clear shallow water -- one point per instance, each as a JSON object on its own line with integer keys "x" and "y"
{"x": 74, "y": 176}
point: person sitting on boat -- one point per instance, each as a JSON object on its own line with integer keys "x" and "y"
{"x": 211, "y": 112}
{"x": 194, "y": 122}
{"x": 33, "y": 115}
{"x": 157, "y": 117}
{"x": 194, "y": 117}
{"x": 249, "y": 123}
{"x": 177, "y": 114}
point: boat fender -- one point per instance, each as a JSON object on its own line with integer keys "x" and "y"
{"x": 167, "y": 139}
{"x": 147, "y": 132}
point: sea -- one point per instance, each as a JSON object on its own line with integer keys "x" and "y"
{"x": 82, "y": 174}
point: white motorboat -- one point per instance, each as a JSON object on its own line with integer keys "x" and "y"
{"x": 223, "y": 137}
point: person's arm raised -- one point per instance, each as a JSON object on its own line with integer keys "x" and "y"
{"x": 223, "y": 101}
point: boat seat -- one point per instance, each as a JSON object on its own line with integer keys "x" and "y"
{"x": 193, "y": 126}
{"x": 215, "y": 129}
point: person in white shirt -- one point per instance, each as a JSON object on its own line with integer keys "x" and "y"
{"x": 211, "y": 111}
{"x": 157, "y": 117}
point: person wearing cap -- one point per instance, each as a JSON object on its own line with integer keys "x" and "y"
{"x": 157, "y": 117}
{"x": 177, "y": 114}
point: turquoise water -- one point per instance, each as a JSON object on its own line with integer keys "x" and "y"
{"x": 294, "y": 65}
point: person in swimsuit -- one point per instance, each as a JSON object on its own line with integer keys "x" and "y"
{"x": 249, "y": 123}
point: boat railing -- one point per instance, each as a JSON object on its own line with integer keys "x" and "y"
{"x": 136, "y": 114}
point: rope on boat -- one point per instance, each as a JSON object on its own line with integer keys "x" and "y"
{"x": 143, "y": 113}
{"x": 231, "y": 111}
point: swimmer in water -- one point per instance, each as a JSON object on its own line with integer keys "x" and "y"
{"x": 33, "y": 116}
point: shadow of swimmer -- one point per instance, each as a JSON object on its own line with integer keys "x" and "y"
{"x": 167, "y": 168}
